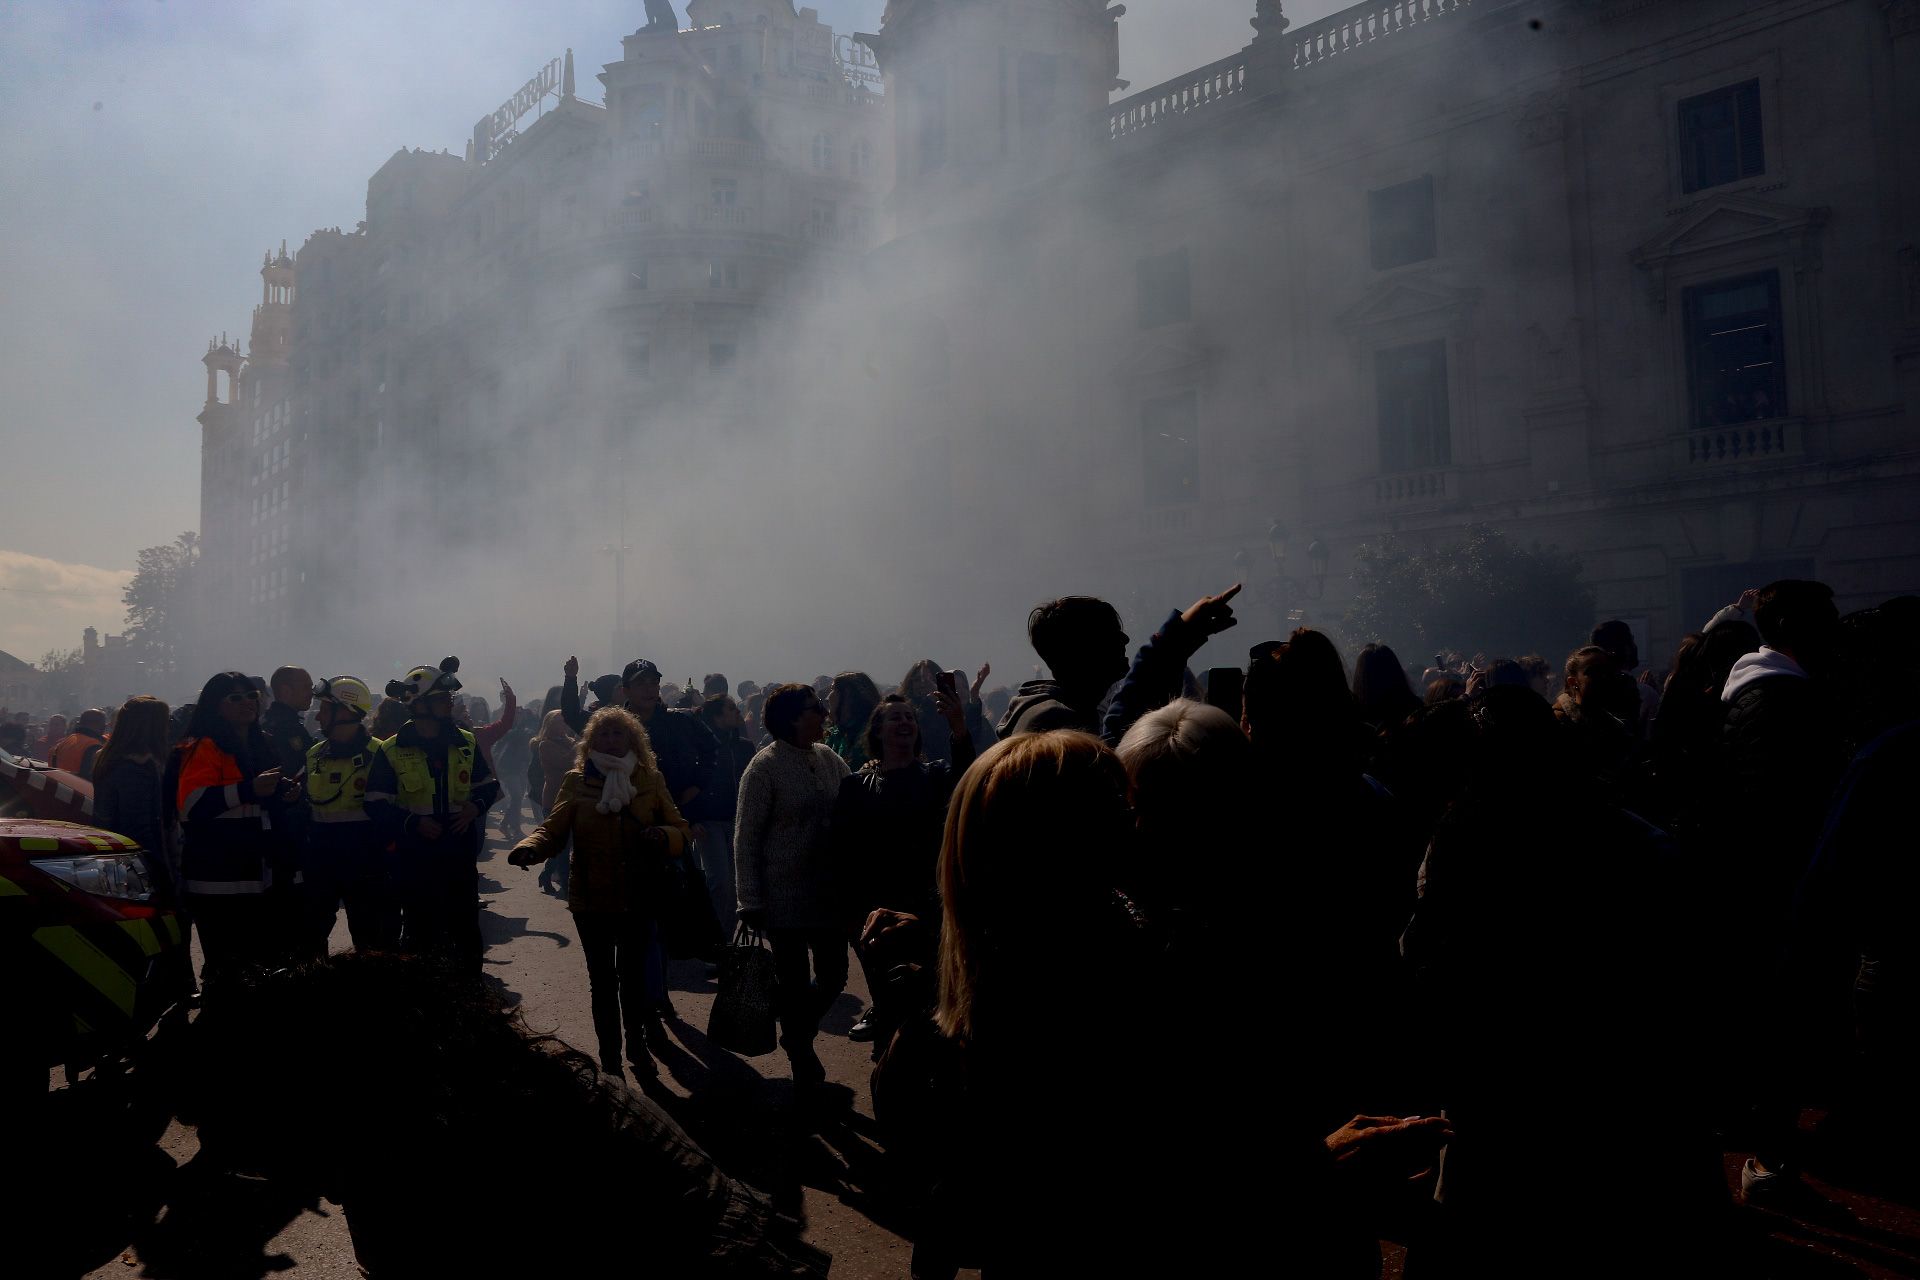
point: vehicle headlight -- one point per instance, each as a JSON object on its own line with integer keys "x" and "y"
{"x": 105, "y": 875}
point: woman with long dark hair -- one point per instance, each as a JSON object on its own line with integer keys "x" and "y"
{"x": 1381, "y": 688}
{"x": 850, "y": 703}
{"x": 886, "y": 829}
{"x": 229, "y": 795}
{"x": 129, "y": 790}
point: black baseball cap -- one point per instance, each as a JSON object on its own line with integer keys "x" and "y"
{"x": 639, "y": 669}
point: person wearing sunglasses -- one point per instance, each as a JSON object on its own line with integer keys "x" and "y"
{"x": 229, "y": 797}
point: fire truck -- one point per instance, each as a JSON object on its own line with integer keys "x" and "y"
{"x": 92, "y": 955}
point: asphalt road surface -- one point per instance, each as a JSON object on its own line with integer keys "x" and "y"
{"x": 155, "y": 1213}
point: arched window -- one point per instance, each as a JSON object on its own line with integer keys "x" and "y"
{"x": 823, "y": 152}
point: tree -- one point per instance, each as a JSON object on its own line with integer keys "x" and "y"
{"x": 61, "y": 688}
{"x": 1482, "y": 593}
{"x": 159, "y": 602}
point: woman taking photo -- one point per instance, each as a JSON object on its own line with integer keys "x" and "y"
{"x": 886, "y": 831}
{"x": 850, "y": 704}
{"x": 229, "y": 795}
{"x": 784, "y": 873}
{"x": 614, "y": 808}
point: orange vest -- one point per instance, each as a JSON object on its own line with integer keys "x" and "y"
{"x": 205, "y": 768}
{"x": 71, "y": 751}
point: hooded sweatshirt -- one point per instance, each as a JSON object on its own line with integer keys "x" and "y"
{"x": 1757, "y": 666}
{"x": 1042, "y": 705}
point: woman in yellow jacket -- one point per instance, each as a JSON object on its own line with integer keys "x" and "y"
{"x": 615, "y": 808}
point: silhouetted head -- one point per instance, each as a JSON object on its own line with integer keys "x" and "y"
{"x": 1081, "y": 641}
{"x": 1799, "y": 619}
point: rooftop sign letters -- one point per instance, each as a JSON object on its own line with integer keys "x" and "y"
{"x": 494, "y": 131}
{"x": 857, "y": 62}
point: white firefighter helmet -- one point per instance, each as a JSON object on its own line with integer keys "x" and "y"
{"x": 350, "y": 692}
{"x": 421, "y": 681}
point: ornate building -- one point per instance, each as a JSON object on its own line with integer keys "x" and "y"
{"x": 547, "y": 301}
{"x": 1639, "y": 280}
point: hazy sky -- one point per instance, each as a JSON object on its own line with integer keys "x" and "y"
{"x": 157, "y": 147}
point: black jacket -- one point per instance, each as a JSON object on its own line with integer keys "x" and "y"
{"x": 1042, "y": 705}
{"x": 886, "y": 831}
{"x": 719, "y": 800}
{"x": 681, "y": 744}
{"x": 289, "y": 737}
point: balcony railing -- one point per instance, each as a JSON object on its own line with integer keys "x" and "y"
{"x": 630, "y": 219}
{"x": 1411, "y": 488}
{"x": 1176, "y": 98}
{"x": 1745, "y": 442}
{"x": 722, "y": 151}
{"x": 1363, "y": 24}
{"x": 726, "y": 215}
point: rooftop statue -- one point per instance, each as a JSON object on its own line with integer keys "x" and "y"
{"x": 661, "y": 17}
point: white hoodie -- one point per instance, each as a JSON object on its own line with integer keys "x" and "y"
{"x": 1758, "y": 666}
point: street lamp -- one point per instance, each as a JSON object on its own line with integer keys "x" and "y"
{"x": 1277, "y": 534}
{"x": 1317, "y": 557}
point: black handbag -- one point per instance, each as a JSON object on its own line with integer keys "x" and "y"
{"x": 742, "y": 1020}
{"x": 688, "y": 928}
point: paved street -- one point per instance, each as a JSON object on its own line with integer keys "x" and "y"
{"x": 237, "y": 1230}
{"x": 153, "y": 1216}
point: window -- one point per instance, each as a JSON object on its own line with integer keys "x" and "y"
{"x": 1734, "y": 350}
{"x": 1400, "y": 223}
{"x": 860, "y": 157}
{"x": 1720, "y": 137}
{"x": 1166, "y": 290}
{"x": 1411, "y": 383}
{"x": 1039, "y": 89}
{"x": 823, "y": 152}
{"x": 637, "y": 275}
{"x": 639, "y": 355}
{"x": 723, "y": 275}
{"x": 821, "y": 222}
{"x": 1170, "y": 455}
{"x": 726, "y": 193}
{"x": 719, "y": 354}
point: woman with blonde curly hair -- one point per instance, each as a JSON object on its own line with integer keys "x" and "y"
{"x": 615, "y": 809}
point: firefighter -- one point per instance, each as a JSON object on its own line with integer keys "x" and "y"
{"x": 76, "y": 751}
{"x": 344, "y": 858}
{"x": 229, "y": 795}
{"x": 428, "y": 789}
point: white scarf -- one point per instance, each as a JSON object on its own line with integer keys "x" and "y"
{"x": 617, "y": 791}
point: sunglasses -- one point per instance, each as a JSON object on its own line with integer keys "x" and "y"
{"x": 251, "y": 695}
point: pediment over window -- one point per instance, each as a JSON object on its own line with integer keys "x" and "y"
{"x": 1391, "y": 301}
{"x": 1729, "y": 220}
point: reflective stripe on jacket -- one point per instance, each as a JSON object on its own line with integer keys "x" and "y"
{"x": 337, "y": 785}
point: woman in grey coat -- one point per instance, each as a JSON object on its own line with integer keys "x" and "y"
{"x": 784, "y": 876}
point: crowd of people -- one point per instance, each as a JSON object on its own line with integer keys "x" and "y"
{"x": 1495, "y": 957}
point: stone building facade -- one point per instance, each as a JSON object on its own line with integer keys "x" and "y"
{"x": 544, "y": 304}
{"x": 1636, "y": 280}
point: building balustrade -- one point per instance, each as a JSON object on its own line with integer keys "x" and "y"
{"x": 726, "y": 215}
{"x": 1175, "y": 98}
{"x": 1743, "y": 442}
{"x": 1363, "y": 24}
{"x": 1411, "y": 488}
{"x": 725, "y": 151}
{"x": 632, "y": 218}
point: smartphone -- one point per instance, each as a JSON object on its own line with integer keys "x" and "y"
{"x": 1224, "y": 686}
{"x": 949, "y": 683}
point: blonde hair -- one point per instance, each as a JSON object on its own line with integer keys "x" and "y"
{"x": 635, "y": 731}
{"x": 1184, "y": 757}
{"x": 553, "y": 727}
{"x": 1028, "y": 830}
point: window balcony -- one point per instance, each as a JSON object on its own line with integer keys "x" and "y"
{"x": 1768, "y": 440}
{"x": 723, "y": 151}
{"x": 1412, "y": 490}
{"x": 739, "y": 217}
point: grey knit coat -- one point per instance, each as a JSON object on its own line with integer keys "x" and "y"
{"x": 782, "y": 862}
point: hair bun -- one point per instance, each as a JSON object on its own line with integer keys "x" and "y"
{"x": 449, "y": 665}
